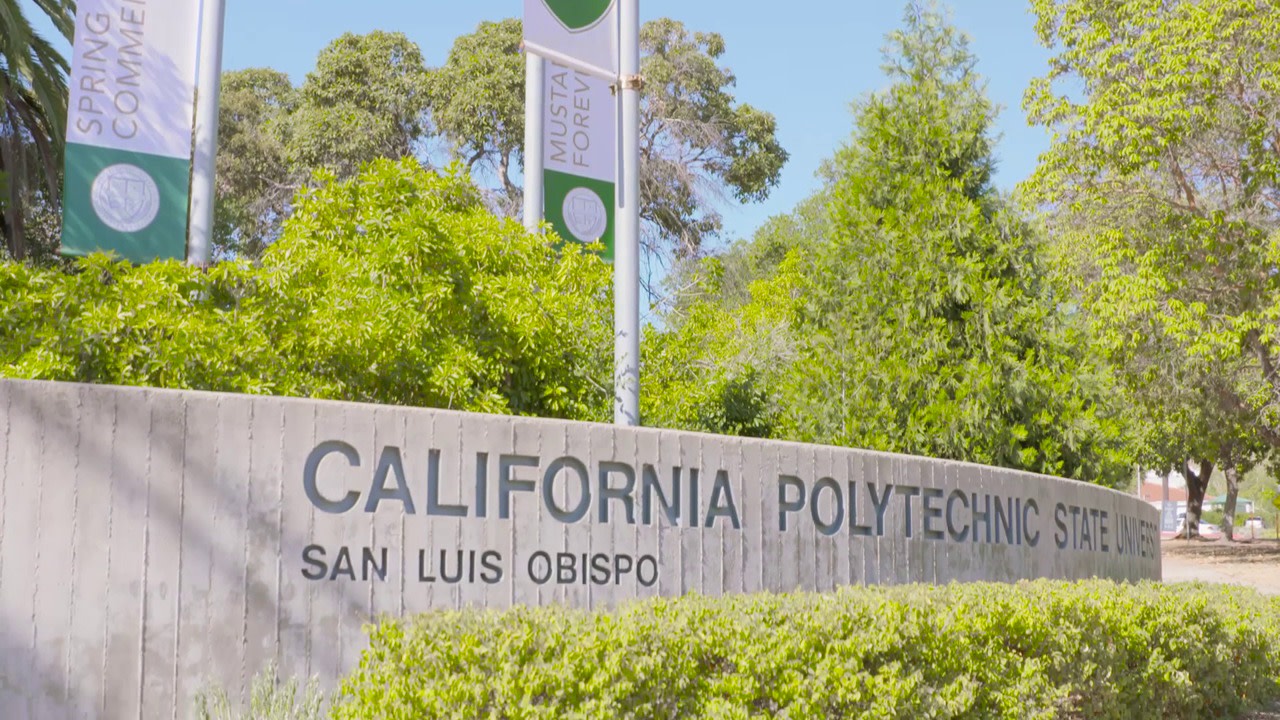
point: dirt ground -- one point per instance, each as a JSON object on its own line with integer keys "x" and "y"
{"x": 1253, "y": 564}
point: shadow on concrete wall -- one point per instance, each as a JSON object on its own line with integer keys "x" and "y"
{"x": 48, "y": 686}
{"x": 33, "y": 681}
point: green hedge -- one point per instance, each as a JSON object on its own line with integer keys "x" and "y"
{"x": 1034, "y": 650}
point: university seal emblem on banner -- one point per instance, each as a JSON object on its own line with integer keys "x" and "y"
{"x": 585, "y": 214}
{"x": 579, "y": 15}
{"x": 125, "y": 198}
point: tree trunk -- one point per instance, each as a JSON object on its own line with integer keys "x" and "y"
{"x": 1197, "y": 483}
{"x": 1233, "y": 490}
{"x": 11, "y": 163}
{"x": 15, "y": 233}
{"x": 515, "y": 195}
{"x": 1164, "y": 499}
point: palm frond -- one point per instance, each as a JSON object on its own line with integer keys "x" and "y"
{"x": 33, "y": 109}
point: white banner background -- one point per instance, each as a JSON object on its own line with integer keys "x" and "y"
{"x": 581, "y": 124}
{"x": 133, "y": 75}
{"x": 593, "y": 48}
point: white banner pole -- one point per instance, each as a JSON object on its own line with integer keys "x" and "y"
{"x": 626, "y": 265}
{"x": 208, "y": 90}
{"x": 535, "y": 81}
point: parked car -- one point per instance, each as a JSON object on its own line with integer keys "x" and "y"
{"x": 1254, "y": 523}
{"x": 1208, "y": 531}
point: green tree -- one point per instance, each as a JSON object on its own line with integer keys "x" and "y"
{"x": 906, "y": 307}
{"x": 396, "y": 286}
{"x": 930, "y": 321}
{"x": 727, "y": 342}
{"x": 255, "y": 182}
{"x": 477, "y": 103}
{"x": 697, "y": 142}
{"x": 33, "y": 90}
{"x": 1165, "y": 391}
{"x": 802, "y": 232}
{"x": 365, "y": 99}
{"x": 1162, "y": 188}
{"x": 717, "y": 362}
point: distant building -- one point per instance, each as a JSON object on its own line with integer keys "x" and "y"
{"x": 1243, "y": 505}
{"x": 1153, "y": 492}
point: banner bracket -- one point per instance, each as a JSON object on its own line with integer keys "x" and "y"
{"x": 628, "y": 82}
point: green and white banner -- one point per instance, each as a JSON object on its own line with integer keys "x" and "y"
{"x": 129, "y": 128}
{"x": 577, "y": 33}
{"x": 580, "y": 155}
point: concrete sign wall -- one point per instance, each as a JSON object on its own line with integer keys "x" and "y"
{"x": 153, "y": 542}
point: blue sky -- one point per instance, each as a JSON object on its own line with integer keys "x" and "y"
{"x": 805, "y": 66}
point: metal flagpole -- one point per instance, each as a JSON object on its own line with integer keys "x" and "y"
{"x": 535, "y": 80}
{"x": 626, "y": 263}
{"x": 626, "y": 255}
{"x": 208, "y": 89}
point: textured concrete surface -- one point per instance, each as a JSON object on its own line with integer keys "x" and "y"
{"x": 153, "y": 542}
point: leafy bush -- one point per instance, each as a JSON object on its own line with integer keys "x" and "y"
{"x": 269, "y": 699}
{"x": 395, "y": 287}
{"x": 1035, "y": 650}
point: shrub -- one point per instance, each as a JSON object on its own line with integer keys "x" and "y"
{"x": 1035, "y": 650}
{"x": 269, "y": 699}
{"x": 396, "y": 287}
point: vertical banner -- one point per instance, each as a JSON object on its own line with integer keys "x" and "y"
{"x": 579, "y": 33}
{"x": 1168, "y": 516}
{"x": 579, "y": 41}
{"x": 590, "y": 179}
{"x": 129, "y": 128}
{"x": 580, "y": 154}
